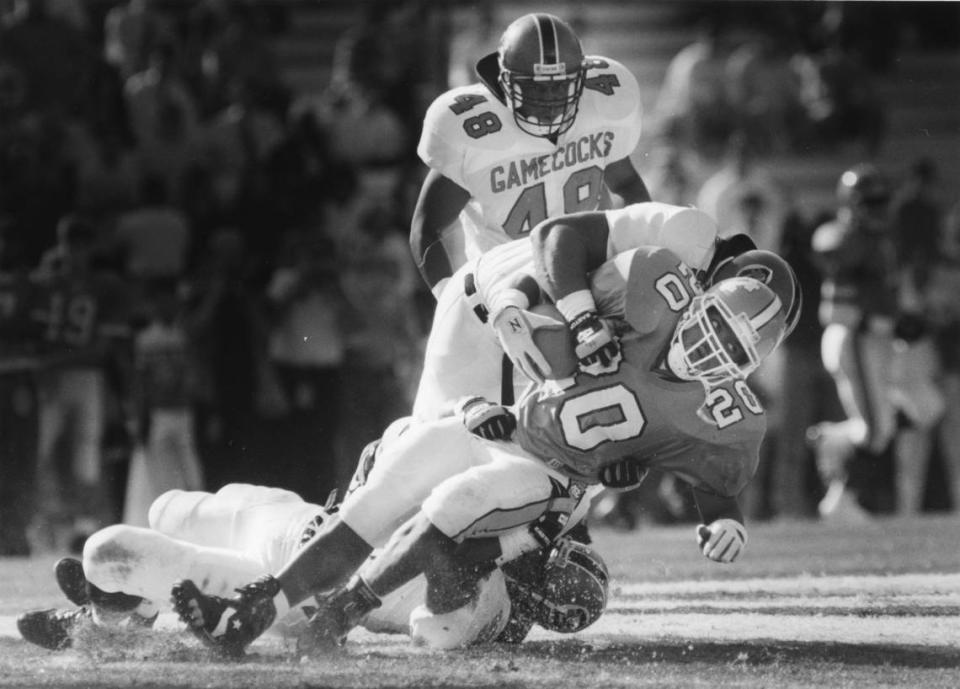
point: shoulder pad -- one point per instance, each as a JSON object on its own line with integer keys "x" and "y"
{"x": 451, "y": 124}
{"x": 613, "y": 90}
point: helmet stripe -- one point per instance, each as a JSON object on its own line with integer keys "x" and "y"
{"x": 548, "y": 39}
{"x": 767, "y": 313}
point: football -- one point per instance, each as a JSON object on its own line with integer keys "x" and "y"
{"x": 554, "y": 339}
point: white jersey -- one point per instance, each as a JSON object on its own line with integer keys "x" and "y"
{"x": 687, "y": 232}
{"x": 517, "y": 180}
{"x": 226, "y": 539}
{"x": 463, "y": 356}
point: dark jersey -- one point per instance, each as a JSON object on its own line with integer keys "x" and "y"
{"x": 80, "y": 316}
{"x": 642, "y": 411}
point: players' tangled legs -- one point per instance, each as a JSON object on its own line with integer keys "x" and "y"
{"x": 599, "y": 346}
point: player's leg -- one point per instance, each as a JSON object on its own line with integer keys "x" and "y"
{"x": 51, "y": 509}
{"x": 462, "y": 354}
{"x": 916, "y": 367}
{"x": 859, "y": 361}
{"x": 402, "y": 477}
{"x": 89, "y": 394}
{"x": 494, "y": 498}
{"x": 146, "y": 563}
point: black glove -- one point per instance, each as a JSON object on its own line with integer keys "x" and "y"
{"x": 597, "y": 350}
{"x": 486, "y": 419}
{"x": 627, "y": 473}
{"x": 548, "y": 527}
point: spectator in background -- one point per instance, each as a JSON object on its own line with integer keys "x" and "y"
{"x": 162, "y": 400}
{"x": 943, "y": 314}
{"x": 918, "y": 365}
{"x": 153, "y": 239}
{"x": 744, "y": 197}
{"x": 673, "y": 175}
{"x": 478, "y": 37}
{"x": 840, "y": 98}
{"x": 108, "y": 174}
{"x": 19, "y": 421}
{"x": 237, "y": 51}
{"x": 307, "y": 344}
{"x": 131, "y": 31}
{"x": 693, "y": 107}
{"x": 163, "y": 114}
{"x": 238, "y": 143}
{"x": 55, "y": 58}
{"x": 918, "y": 220}
{"x": 804, "y": 387}
{"x": 764, "y": 93}
{"x": 86, "y": 333}
{"x": 227, "y": 324}
{"x": 383, "y": 333}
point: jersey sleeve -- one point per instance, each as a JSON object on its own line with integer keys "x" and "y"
{"x": 643, "y": 285}
{"x": 615, "y": 95}
{"x": 440, "y": 146}
{"x": 689, "y": 233}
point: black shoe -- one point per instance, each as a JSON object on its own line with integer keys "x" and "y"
{"x": 52, "y": 629}
{"x": 79, "y": 591}
{"x": 248, "y": 614}
{"x": 71, "y": 580}
{"x": 336, "y": 614}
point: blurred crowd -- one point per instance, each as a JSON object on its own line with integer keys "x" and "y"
{"x": 205, "y": 276}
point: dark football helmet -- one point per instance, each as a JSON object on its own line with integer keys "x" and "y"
{"x": 565, "y": 592}
{"x": 864, "y": 192}
{"x": 770, "y": 269}
{"x": 541, "y": 73}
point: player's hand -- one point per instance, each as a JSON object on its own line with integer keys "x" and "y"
{"x": 516, "y": 338}
{"x": 598, "y": 349}
{"x": 486, "y": 419}
{"x": 547, "y": 528}
{"x": 723, "y": 540}
{"x": 627, "y": 473}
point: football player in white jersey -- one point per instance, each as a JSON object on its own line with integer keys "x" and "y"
{"x": 226, "y": 538}
{"x": 405, "y": 476}
{"x": 547, "y": 131}
{"x": 476, "y": 320}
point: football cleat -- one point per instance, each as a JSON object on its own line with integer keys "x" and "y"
{"x": 336, "y": 614}
{"x": 52, "y": 628}
{"x": 227, "y": 625}
{"x": 68, "y": 572}
{"x": 71, "y": 579}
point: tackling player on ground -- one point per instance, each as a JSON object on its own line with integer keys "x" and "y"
{"x": 228, "y": 537}
{"x": 711, "y": 442}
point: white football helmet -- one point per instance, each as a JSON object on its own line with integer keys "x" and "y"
{"x": 567, "y": 594}
{"x": 727, "y": 332}
{"x": 541, "y": 73}
{"x": 770, "y": 269}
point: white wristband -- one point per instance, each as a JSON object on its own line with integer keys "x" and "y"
{"x": 576, "y": 303}
{"x": 515, "y": 544}
{"x": 505, "y": 298}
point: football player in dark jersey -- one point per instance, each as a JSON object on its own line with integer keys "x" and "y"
{"x": 676, "y": 400}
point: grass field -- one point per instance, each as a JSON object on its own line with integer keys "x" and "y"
{"x": 808, "y": 605}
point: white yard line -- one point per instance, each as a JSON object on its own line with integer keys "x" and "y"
{"x": 905, "y": 609}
